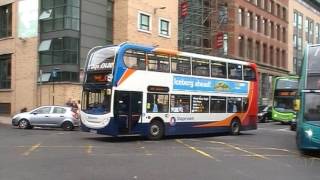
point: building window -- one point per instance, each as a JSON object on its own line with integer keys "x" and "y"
{"x": 164, "y": 27}
{"x": 5, "y": 21}
{"x": 265, "y": 26}
{"x": 249, "y": 49}
{"x": 272, "y": 29}
{"x": 5, "y": 108}
{"x": 279, "y": 10}
{"x": 257, "y": 51}
{"x": 284, "y": 35}
{"x": 265, "y": 53}
{"x": 258, "y": 24}
{"x": 144, "y": 22}
{"x": 271, "y": 56}
{"x": 59, "y": 15}
{"x": 317, "y": 35}
{"x": 5, "y": 71}
{"x": 300, "y": 21}
{"x": 250, "y": 20}
{"x": 295, "y": 19}
{"x": 278, "y": 32}
{"x": 59, "y": 51}
{"x": 284, "y": 59}
{"x": 241, "y": 20}
{"x": 284, "y": 13}
{"x": 241, "y": 46}
{"x": 278, "y": 63}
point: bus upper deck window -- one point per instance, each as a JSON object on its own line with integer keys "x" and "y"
{"x": 218, "y": 69}
{"x": 135, "y": 59}
{"x": 235, "y": 71}
{"x": 159, "y": 63}
{"x": 200, "y": 67}
{"x": 248, "y": 73}
{"x": 180, "y": 65}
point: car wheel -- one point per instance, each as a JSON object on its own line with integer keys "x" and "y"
{"x": 156, "y": 130}
{"x": 263, "y": 119}
{"x": 235, "y": 126}
{"x": 23, "y": 124}
{"x": 67, "y": 126}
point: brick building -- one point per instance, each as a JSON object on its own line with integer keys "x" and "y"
{"x": 250, "y": 30}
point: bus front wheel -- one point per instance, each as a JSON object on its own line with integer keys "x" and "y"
{"x": 235, "y": 127}
{"x": 156, "y": 130}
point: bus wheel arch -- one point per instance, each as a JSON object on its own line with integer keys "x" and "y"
{"x": 156, "y": 129}
{"x": 235, "y": 126}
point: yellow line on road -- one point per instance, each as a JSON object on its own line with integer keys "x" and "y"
{"x": 197, "y": 150}
{"x": 89, "y": 149}
{"x": 31, "y": 149}
{"x": 242, "y": 150}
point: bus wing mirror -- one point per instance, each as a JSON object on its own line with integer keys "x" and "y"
{"x": 296, "y": 105}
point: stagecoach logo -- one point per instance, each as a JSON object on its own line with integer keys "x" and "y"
{"x": 172, "y": 121}
{"x": 101, "y": 66}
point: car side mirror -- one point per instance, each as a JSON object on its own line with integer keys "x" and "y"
{"x": 34, "y": 113}
{"x": 296, "y": 104}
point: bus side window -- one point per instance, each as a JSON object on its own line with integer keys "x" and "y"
{"x": 218, "y": 104}
{"x": 234, "y": 105}
{"x": 200, "y": 67}
{"x": 157, "y": 103}
{"x": 159, "y": 63}
{"x": 180, "y": 103}
{"x": 248, "y": 73}
{"x": 135, "y": 59}
{"x": 218, "y": 69}
{"x": 235, "y": 71}
{"x": 180, "y": 65}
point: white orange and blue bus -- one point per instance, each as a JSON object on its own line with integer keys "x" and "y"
{"x": 154, "y": 92}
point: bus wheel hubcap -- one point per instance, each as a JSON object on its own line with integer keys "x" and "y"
{"x": 154, "y": 130}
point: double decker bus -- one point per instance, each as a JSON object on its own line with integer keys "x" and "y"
{"x": 308, "y": 118}
{"x": 154, "y": 92}
{"x": 284, "y": 93}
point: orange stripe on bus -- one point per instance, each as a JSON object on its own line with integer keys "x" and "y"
{"x": 126, "y": 75}
{"x": 166, "y": 51}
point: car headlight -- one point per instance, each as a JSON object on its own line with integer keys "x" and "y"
{"x": 309, "y": 133}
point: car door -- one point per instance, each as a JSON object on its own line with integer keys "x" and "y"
{"x": 40, "y": 116}
{"x": 57, "y": 116}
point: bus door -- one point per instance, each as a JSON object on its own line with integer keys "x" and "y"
{"x": 128, "y": 110}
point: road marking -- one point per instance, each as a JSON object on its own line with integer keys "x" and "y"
{"x": 89, "y": 149}
{"x": 197, "y": 150}
{"x": 31, "y": 149}
{"x": 145, "y": 150}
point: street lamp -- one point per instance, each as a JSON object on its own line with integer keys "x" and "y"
{"x": 54, "y": 75}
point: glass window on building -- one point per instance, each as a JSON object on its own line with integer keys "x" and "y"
{"x": 5, "y": 21}
{"x": 164, "y": 27}
{"x": 59, "y": 51}
{"x": 157, "y": 103}
{"x": 180, "y": 103}
{"x": 5, "y": 71}
{"x": 300, "y": 21}
{"x": 144, "y": 22}
{"x": 59, "y": 15}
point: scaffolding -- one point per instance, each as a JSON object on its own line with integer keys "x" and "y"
{"x": 199, "y": 25}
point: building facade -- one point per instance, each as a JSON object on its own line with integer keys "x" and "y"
{"x": 249, "y": 30}
{"x": 304, "y": 28}
{"x": 44, "y": 43}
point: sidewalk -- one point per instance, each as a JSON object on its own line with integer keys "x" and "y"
{"x": 5, "y": 120}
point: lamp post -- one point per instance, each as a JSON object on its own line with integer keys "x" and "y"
{"x": 54, "y": 75}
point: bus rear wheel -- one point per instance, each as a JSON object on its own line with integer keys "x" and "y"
{"x": 156, "y": 130}
{"x": 235, "y": 127}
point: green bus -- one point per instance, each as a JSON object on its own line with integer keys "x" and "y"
{"x": 308, "y": 104}
{"x": 284, "y": 93}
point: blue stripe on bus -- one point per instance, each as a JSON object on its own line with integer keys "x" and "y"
{"x": 120, "y": 67}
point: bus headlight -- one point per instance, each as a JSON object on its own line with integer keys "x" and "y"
{"x": 309, "y": 133}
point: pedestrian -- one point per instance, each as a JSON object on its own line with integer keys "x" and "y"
{"x": 69, "y": 102}
{"x": 79, "y": 106}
